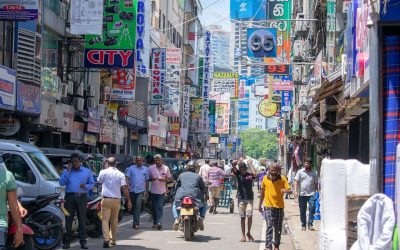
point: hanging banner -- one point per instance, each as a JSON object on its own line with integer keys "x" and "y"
{"x": 7, "y": 88}
{"x": 222, "y": 118}
{"x": 143, "y": 26}
{"x": 18, "y": 10}
{"x": 106, "y": 131}
{"x": 211, "y": 116}
{"x": 158, "y": 76}
{"x": 86, "y": 17}
{"x": 242, "y": 85}
{"x": 174, "y": 60}
{"x": 172, "y": 93}
{"x": 277, "y": 10}
{"x": 282, "y": 83}
{"x": 286, "y": 104}
{"x": 28, "y": 98}
{"x": 261, "y": 43}
{"x": 253, "y": 10}
{"x": 185, "y": 112}
{"x": 114, "y": 48}
{"x": 123, "y": 85}
{"x": 93, "y": 124}
{"x": 206, "y": 82}
{"x": 77, "y": 133}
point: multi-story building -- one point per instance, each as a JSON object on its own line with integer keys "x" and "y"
{"x": 220, "y": 47}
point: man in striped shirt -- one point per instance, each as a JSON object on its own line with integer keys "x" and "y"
{"x": 215, "y": 174}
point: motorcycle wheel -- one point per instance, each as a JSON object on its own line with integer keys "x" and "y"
{"x": 96, "y": 232}
{"x": 187, "y": 230}
{"x": 28, "y": 243}
{"x": 52, "y": 237}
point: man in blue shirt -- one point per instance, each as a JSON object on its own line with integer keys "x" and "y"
{"x": 138, "y": 179}
{"x": 78, "y": 181}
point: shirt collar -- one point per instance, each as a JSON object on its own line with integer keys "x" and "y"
{"x": 78, "y": 170}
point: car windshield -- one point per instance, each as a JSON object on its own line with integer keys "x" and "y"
{"x": 45, "y": 167}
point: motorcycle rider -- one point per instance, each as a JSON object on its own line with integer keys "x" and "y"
{"x": 190, "y": 184}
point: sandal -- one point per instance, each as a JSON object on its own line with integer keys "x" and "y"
{"x": 243, "y": 239}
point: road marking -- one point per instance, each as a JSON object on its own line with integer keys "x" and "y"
{"x": 263, "y": 236}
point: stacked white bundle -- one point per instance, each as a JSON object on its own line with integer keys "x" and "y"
{"x": 358, "y": 177}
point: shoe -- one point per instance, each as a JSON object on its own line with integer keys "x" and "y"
{"x": 113, "y": 243}
{"x": 215, "y": 211}
{"x": 66, "y": 246}
{"x": 154, "y": 226}
{"x": 159, "y": 227}
{"x": 201, "y": 224}
{"x": 175, "y": 227}
{"x": 106, "y": 244}
{"x": 311, "y": 228}
{"x": 303, "y": 228}
{"x": 83, "y": 246}
{"x": 211, "y": 210}
{"x": 136, "y": 227}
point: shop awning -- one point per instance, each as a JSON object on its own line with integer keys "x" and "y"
{"x": 332, "y": 85}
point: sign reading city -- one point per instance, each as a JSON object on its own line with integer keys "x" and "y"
{"x": 18, "y": 10}
{"x": 158, "y": 76}
{"x": 277, "y": 69}
{"x": 261, "y": 42}
{"x": 114, "y": 47}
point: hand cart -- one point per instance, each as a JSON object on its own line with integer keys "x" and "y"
{"x": 225, "y": 200}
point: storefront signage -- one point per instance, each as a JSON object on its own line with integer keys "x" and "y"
{"x": 77, "y": 133}
{"x": 114, "y": 48}
{"x": 18, "y": 10}
{"x": 142, "y": 37}
{"x": 50, "y": 114}
{"x": 222, "y": 118}
{"x": 225, "y": 75}
{"x": 242, "y": 86}
{"x": 185, "y": 112}
{"x": 276, "y": 98}
{"x": 123, "y": 85}
{"x": 89, "y": 139}
{"x": 106, "y": 131}
{"x": 286, "y": 104}
{"x": 389, "y": 10}
{"x": 175, "y": 128}
{"x": 87, "y": 17}
{"x": 211, "y": 116}
{"x": 28, "y": 98}
{"x": 173, "y": 74}
{"x": 261, "y": 42}
{"x": 67, "y": 121}
{"x": 7, "y": 88}
{"x": 206, "y": 82}
{"x": 153, "y": 128}
{"x": 93, "y": 124}
{"x": 9, "y": 126}
{"x": 282, "y": 83}
{"x": 266, "y": 108}
{"x": 158, "y": 76}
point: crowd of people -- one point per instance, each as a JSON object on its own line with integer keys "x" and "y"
{"x": 204, "y": 185}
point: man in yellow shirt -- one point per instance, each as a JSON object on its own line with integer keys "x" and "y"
{"x": 273, "y": 187}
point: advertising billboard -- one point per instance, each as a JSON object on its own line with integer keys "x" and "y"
{"x": 123, "y": 85}
{"x": 142, "y": 37}
{"x": 157, "y": 95}
{"x": 7, "y": 88}
{"x": 173, "y": 75}
{"x": 87, "y": 17}
{"x": 222, "y": 118}
{"x": 206, "y": 82}
{"x": 114, "y": 48}
{"x": 18, "y": 10}
{"x": 211, "y": 116}
{"x": 28, "y": 98}
{"x": 261, "y": 42}
{"x": 185, "y": 112}
{"x": 248, "y": 9}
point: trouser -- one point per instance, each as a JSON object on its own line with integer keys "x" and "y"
{"x": 202, "y": 210}
{"x": 109, "y": 213}
{"x": 274, "y": 219}
{"x": 3, "y": 237}
{"x": 303, "y": 200}
{"x": 75, "y": 204}
{"x": 137, "y": 201}
{"x": 157, "y": 201}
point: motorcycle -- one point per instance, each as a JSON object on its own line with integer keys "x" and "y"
{"x": 45, "y": 220}
{"x": 93, "y": 218}
{"x": 27, "y": 232}
{"x": 188, "y": 219}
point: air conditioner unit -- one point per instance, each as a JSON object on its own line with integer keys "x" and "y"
{"x": 79, "y": 88}
{"x": 70, "y": 85}
{"x": 301, "y": 25}
{"x": 79, "y": 103}
{"x": 91, "y": 102}
{"x": 63, "y": 91}
{"x": 91, "y": 90}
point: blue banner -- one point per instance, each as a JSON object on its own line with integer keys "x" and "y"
{"x": 248, "y": 9}
{"x": 286, "y": 102}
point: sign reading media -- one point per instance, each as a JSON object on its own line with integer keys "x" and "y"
{"x": 158, "y": 76}
{"x": 114, "y": 47}
{"x": 18, "y": 10}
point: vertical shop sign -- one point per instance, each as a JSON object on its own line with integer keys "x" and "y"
{"x": 242, "y": 85}
{"x": 211, "y": 116}
{"x": 331, "y": 30}
{"x": 93, "y": 124}
{"x": 200, "y": 74}
{"x": 142, "y": 37}
{"x": 222, "y": 118}
{"x": 185, "y": 112}
{"x": 86, "y": 17}
{"x": 206, "y": 81}
{"x": 77, "y": 133}
{"x": 278, "y": 10}
{"x": 286, "y": 101}
{"x": 114, "y": 48}
{"x": 7, "y": 88}
{"x": 158, "y": 76}
{"x": 19, "y": 10}
{"x": 172, "y": 93}
{"x": 123, "y": 85}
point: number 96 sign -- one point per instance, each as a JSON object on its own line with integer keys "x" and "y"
{"x": 261, "y": 42}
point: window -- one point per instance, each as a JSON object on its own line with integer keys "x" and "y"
{"x": 6, "y": 41}
{"x": 19, "y": 168}
{"x": 45, "y": 167}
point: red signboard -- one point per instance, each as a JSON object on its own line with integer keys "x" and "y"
{"x": 277, "y": 69}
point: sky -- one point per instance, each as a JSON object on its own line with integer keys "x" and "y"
{"x": 217, "y": 13}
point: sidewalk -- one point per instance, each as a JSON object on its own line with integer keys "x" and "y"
{"x": 303, "y": 240}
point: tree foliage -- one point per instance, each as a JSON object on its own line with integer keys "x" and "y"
{"x": 258, "y": 143}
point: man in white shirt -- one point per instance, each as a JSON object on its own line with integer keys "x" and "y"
{"x": 203, "y": 172}
{"x": 112, "y": 181}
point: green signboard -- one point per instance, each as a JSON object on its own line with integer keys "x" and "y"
{"x": 200, "y": 73}
{"x": 115, "y": 47}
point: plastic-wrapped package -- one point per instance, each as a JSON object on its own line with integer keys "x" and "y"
{"x": 332, "y": 240}
{"x": 358, "y": 178}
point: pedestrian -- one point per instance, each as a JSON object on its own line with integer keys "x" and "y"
{"x": 203, "y": 172}
{"x": 245, "y": 196}
{"x": 227, "y": 167}
{"x": 215, "y": 174}
{"x": 138, "y": 179}
{"x": 78, "y": 181}
{"x": 306, "y": 181}
{"x": 8, "y": 195}
{"x": 113, "y": 181}
{"x": 159, "y": 175}
{"x": 273, "y": 187}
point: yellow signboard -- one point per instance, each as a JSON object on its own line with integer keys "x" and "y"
{"x": 266, "y": 108}
{"x": 225, "y": 75}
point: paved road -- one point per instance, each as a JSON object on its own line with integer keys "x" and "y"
{"x": 222, "y": 231}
